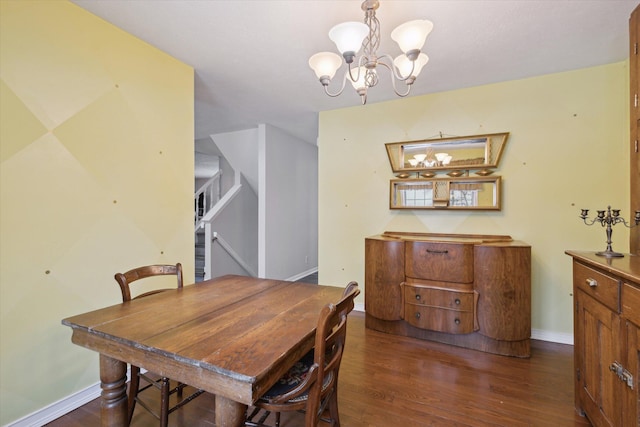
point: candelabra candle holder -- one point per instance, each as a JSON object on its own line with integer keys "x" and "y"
{"x": 611, "y": 218}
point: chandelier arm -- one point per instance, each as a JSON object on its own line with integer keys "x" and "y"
{"x": 401, "y": 95}
{"x": 333, "y": 95}
{"x": 361, "y": 60}
{"x": 392, "y": 68}
{"x": 393, "y": 81}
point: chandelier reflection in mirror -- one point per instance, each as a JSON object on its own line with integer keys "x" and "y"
{"x": 351, "y": 37}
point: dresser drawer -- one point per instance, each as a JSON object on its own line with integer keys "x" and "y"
{"x": 448, "y": 262}
{"x": 600, "y": 286}
{"x": 631, "y": 303}
{"x": 455, "y": 300}
{"x": 439, "y": 319}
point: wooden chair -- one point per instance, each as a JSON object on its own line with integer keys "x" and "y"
{"x": 163, "y": 384}
{"x": 311, "y": 385}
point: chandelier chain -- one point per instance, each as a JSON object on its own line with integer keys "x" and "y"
{"x": 372, "y": 42}
{"x": 370, "y": 47}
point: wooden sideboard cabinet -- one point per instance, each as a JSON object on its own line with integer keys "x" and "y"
{"x": 606, "y": 294}
{"x": 471, "y": 291}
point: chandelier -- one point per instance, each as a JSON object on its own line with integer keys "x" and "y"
{"x": 351, "y": 37}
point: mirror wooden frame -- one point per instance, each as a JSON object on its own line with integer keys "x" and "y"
{"x": 479, "y": 153}
{"x": 464, "y": 193}
{"x": 416, "y": 164}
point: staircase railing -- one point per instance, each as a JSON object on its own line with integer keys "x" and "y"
{"x": 206, "y": 197}
{"x": 236, "y": 257}
{"x": 208, "y": 203}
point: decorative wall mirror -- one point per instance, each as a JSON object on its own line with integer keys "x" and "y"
{"x": 416, "y": 164}
{"x": 478, "y": 193}
{"x": 458, "y": 155}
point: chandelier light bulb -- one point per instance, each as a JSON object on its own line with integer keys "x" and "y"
{"x": 325, "y": 64}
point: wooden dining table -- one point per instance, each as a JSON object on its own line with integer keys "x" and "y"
{"x": 232, "y": 336}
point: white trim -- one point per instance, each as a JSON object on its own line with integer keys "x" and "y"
{"x": 262, "y": 201}
{"x": 224, "y": 201}
{"x": 208, "y": 240}
{"x": 557, "y": 337}
{"x": 57, "y": 409}
{"x": 63, "y": 406}
{"x": 302, "y": 275}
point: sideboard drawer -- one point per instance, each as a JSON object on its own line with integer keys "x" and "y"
{"x": 448, "y": 262}
{"x": 455, "y": 300}
{"x": 601, "y": 287}
{"x": 439, "y": 319}
{"x": 631, "y": 303}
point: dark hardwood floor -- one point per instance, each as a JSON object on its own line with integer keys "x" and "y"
{"x": 312, "y": 278}
{"x": 390, "y": 381}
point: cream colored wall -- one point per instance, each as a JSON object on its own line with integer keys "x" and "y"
{"x": 567, "y": 150}
{"x": 96, "y": 151}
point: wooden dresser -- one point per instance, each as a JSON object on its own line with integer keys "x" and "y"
{"x": 471, "y": 291}
{"x": 606, "y": 324}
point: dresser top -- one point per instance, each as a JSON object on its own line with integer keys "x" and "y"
{"x": 472, "y": 239}
{"x": 627, "y": 267}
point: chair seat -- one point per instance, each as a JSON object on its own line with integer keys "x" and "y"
{"x": 292, "y": 379}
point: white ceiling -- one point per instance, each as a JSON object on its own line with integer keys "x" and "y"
{"x": 250, "y": 56}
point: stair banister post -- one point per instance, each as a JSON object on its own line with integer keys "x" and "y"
{"x": 207, "y": 250}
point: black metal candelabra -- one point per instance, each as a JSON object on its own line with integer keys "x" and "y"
{"x": 611, "y": 218}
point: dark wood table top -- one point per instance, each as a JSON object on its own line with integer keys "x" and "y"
{"x": 233, "y": 336}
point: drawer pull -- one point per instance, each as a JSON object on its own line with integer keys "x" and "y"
{"x": 457, "y": 301}
{"x": 592, "y": 282}
{"x": 457, "y": 321}
{"x": 433, "y": 251}
{"x": 418, "y": 297}
{"x": 417, "y": 315}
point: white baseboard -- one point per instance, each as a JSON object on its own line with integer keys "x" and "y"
{"x": 63, "y": 406}
{"x": 557, "y": 337}
{"x": 303, "y": 274}
{"x": 57, "y": 409}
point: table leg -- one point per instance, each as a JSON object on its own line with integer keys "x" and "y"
{"x": 229, "y": 413}
{"x": 113, "y": 380}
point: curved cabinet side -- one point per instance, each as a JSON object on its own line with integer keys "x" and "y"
{"x": 503, "y": 281}
{"x": 384, "y": 272}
